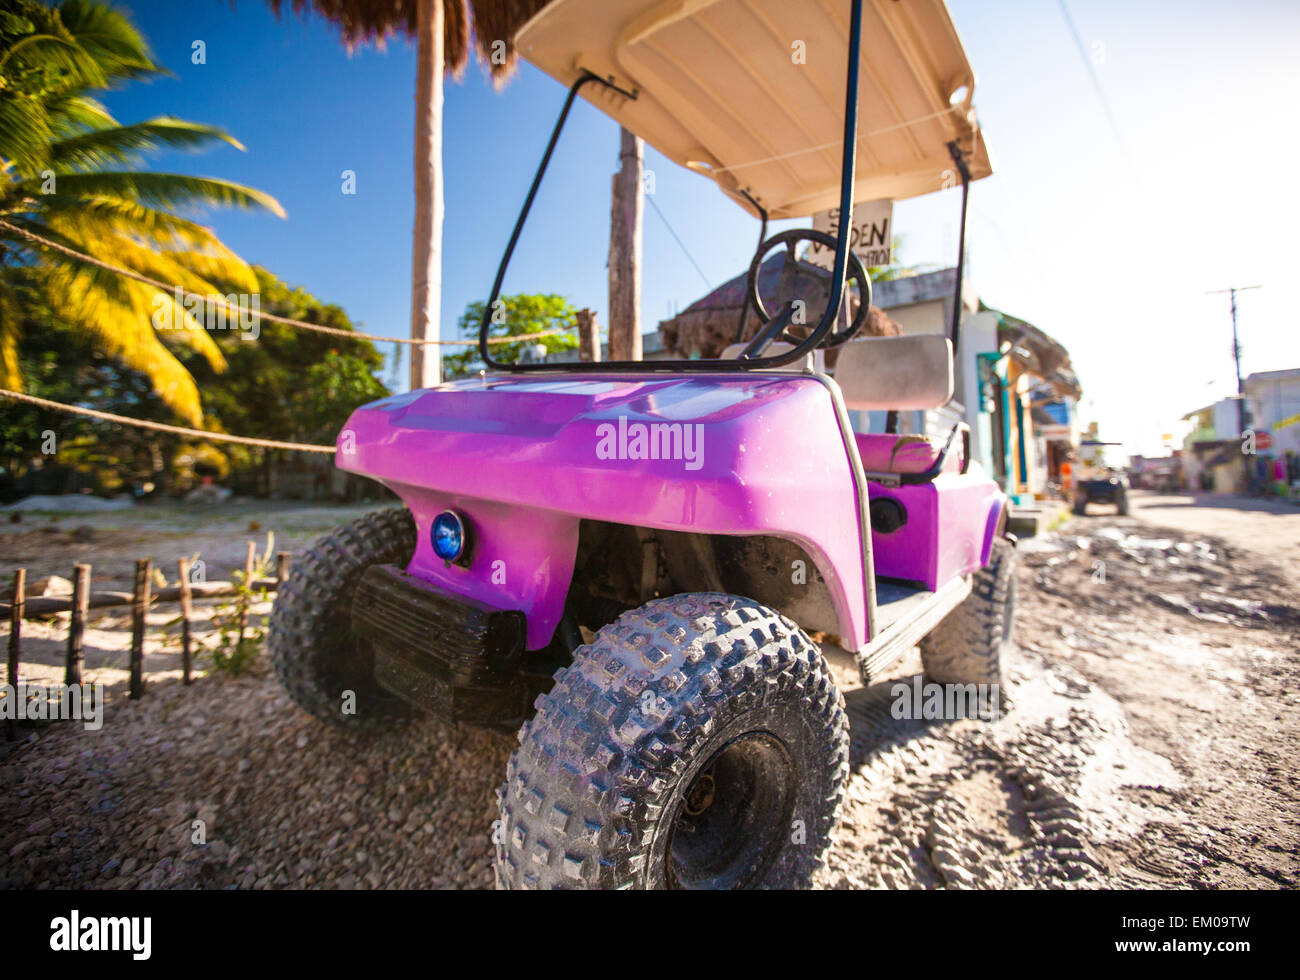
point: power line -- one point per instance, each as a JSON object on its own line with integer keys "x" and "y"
{"x": 1096, "y": 82}
{"x": 680, "y": 243}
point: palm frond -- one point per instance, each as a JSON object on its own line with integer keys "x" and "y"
{"x": 109, "y": 37}
{"x": 160, "y": 190}
{"x": 105, "y": 216}
{"x": 10, "y": 323}
{"x": 191, "y": 269}
{"x": 101, "y": 303}
{"x": 60, "y": 53}
{"x": 162, "y": 307}
{"x": 50, "y": 58}
{"x": 71, "y": 112}
{"x": 25, "y": 135}
{"x": 124, "y": 144}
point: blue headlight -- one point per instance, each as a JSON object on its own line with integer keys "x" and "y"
{"x": 448, "y": 534}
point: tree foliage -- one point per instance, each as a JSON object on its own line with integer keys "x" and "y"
{"x": 517, "y": 315}
{"x": 289, "y": 384}
{"x": 67, "y": 174}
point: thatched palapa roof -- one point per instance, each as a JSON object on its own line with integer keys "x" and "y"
{"x": 709, "y": 324}
{"x": 468, "y": 25}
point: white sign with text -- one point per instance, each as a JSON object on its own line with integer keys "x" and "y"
{"x": 872, "y": 235}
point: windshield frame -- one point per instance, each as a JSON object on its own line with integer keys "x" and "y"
{"x": 702, "y": 365}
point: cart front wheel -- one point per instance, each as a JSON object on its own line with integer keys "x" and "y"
{"x": 698, "y": 742}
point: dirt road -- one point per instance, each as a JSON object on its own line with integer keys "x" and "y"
{"x": 1152, "y": 744}
{"x": 1265, "y": 526}
{"x": 1155, "y": 733}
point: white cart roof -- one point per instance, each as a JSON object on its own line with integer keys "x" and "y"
{"x": 751, "y": 92}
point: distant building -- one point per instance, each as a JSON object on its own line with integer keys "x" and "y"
{"x": 1164, "y": 474}
{"x": 1014, "y": 387}
{"x": 1212, "y": 450}
{"x": 1021, "y": 395}
{"x": 1273, "y": 401}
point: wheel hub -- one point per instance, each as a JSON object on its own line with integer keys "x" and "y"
{"x": 700, "y": 797}
{"x": 734, "y": 817}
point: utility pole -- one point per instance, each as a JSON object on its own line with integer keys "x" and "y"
{"x": 625, "y": 251}
{"x": 1232, "y": 292}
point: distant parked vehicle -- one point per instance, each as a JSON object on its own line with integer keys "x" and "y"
{"x": 1108, "y": 488}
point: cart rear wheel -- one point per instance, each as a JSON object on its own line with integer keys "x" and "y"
{"x": 969, "y": 645}
{"x": 697, "y": 742}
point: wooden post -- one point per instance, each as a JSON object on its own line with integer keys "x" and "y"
{"x": 16, "y": 622}
{"x": 588, "y": 336}
{"x": 77, "y": 625}
{"x": 139, "y": 606}
{"x": 187, "y": 650}
{"x": 282, "y": 560}
{"x": 244, "y": 592}
{"x": 15, "y": 633}
{"x": 625, "y": 252}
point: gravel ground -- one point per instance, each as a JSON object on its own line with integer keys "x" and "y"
{"x": 50, "y": 544}
{"x": 284, "y": 801}
{"x": 1151, "y": 745}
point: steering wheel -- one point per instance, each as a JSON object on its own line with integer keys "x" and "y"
{"x": 780, "y": 327}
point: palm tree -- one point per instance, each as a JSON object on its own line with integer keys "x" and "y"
{"x": 65, "y": 175}
{"x": 442, "y": 31}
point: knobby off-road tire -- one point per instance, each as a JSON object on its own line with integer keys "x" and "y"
{"x": 698, "y": 741}
{"x": 1080, "y": 505}
{"x": 310, "y": 634}
{"x": 967, "y": 647}
{"x": 1121, "y": 505}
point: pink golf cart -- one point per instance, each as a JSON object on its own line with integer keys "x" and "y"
{"x": 626, "y": 558}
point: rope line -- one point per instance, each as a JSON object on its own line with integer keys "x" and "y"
{"x": 162, "y": 427}
{"x": 275, "y": 318}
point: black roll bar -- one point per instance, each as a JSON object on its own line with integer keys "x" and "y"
{"x": 960, "y": 160}
{"x": 954, "y": 328}
{"x": 762, "y": 237}
{"x": 582, "y": 80}
{"x": 713, "y": 366}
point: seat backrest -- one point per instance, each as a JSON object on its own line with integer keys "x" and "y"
{"x": 905, "y": 373}
{"x": 780, "y": 347}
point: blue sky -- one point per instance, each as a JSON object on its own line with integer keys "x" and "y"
{"x": 1108, "y": 242}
